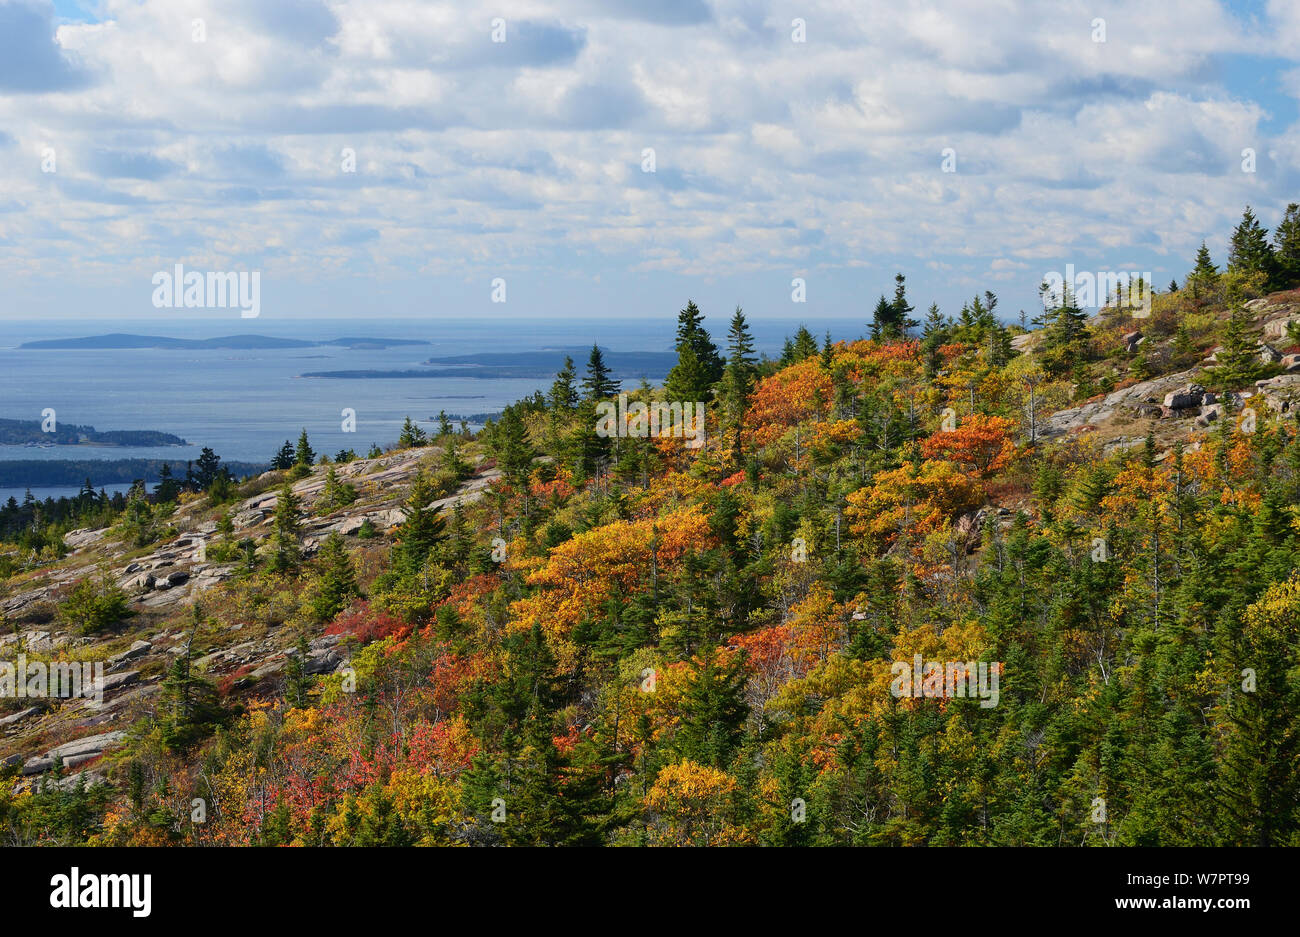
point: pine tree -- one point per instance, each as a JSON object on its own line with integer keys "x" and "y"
{"x": 1286, "y": 244}
{"x": 691, "y": 332}
{"x": 283, "y": 460}
{"x": 1236, "y": 363}
{"x": 336, "y": 494}
{"x": 189, "y": 706}
{"x": 167, "y": 488}
{"x": 286, "y": 551}
{"x": 881, "y": 320}
{"x": 564, "y": 396}
{"x": 597, "y": 385}
{"x": 1249, "y": 251}
{"x": 1065, "y": 334}
{"x": 1204, "y": 276}
{"x": 424, "y": 527}
{"x": 336, "y": 583}
{"x": 508, "y": 443}
{"x": 304, "y": 454}
{"x": 805, "y": 346}
{"x": 737, "y": 378}
{"x": 688, "y": 381}
{"x": 412, "y": 437}
{"x": 713, "y": 713}
{"x": 207, "y": 468}
{"x": 901, "y": 310}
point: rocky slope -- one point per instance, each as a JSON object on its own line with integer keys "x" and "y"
{"x": 161, "y": 582}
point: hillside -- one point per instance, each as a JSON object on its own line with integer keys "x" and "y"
{"x": 987, "y": 586}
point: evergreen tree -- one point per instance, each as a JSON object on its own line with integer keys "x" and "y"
{"x": 424, "y": 527}
{"x": 900, "y": 309}
{"x": 1249, "y": 251}
{"x": 167, "y": 489}
{"x": 1204, "y": 277}
{"x": 207, "y": 468}
{"x": 1236, "y": 362}
{"x": 284, "y": 459}
{"x": 304, "y": 454}
{"x": 1286, "y": 244}
{"x": 804, "y": 346}
{"x": 336, "y": 583}
{"x": 564, "y": 396}
{"x": 597, "y": 385}
{"x": 412, "y": 437}
{"x": 882, "y": 320}
{"x": 691, "y": 332}
{"x": 508, "y": 443}
{"x": 286, "y": 550}
{"x": 189, "y": 708}
{"x": 688, "y": 381}
{"x": 713, "y": 713}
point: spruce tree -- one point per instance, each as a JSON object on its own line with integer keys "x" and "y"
{"x": 1205, "y": 275}
{"x": 284, "y": 458}
{"x": 424, "y": 527}
{"x": 1286, "y": 244}
{"x": 688, "y": 381}
{"x": 286, "y": 551}
{"x": 691, "y": 332}
{"x": 1249, "y": 251}
{"x": 412, "y": 437}
{"x": 597, "y": 385}
{"x": 336, "y": 583}
{"x": 1236, "y": 362}
{"x": 564, "y": 396}
{"x": 304, "y": 454}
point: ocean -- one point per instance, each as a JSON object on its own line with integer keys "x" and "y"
{"x": 245, "y": 404}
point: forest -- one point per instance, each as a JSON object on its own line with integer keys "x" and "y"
{"x": 628, "y": 641}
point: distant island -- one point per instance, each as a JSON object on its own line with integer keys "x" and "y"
{"x": 29, "y": 433}
{"x": 121, "y": 340}
{"x": 624, "y": 365}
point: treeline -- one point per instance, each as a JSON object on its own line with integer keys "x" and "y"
{"x": 52, "y": 473}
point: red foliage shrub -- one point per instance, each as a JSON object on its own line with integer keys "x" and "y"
{"x": 367, "y": 624}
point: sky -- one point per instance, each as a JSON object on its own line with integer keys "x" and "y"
{"x": 425, "y": 159}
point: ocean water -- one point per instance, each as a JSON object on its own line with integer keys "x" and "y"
{"x": 245, "y": 404}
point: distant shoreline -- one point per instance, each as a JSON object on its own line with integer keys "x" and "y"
{"x": 124, "y": 341}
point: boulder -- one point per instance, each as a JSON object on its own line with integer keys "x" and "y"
{"x": 1184, "y": 398}
{"x": 83, "y": 537}
{"x": 1268, "y": 354}
{"x": 137, "y": 649}
{"x": 15, "y": 718}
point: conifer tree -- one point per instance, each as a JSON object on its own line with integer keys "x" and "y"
{"x": 1236, "y": 361}
{"x": 1205, "y": 275}
{"x": 412, "y": 436}
{"x": 1249, "y": 251}
{"x": 424, "y": 527}
{"x": 336, "y": 582}
{"x": 1286, "y": 247}
{"x": 597, "y": 385}
{"x": 304, "y": 454}
{"x": 691, "y": 332}
{"x": 284, "y": 459}
{"x": 286, "y": 551}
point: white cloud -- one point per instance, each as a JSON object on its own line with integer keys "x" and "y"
{"x": 770, "y": 152}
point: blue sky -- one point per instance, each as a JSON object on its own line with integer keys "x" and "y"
{"x": 126, "y": 147}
